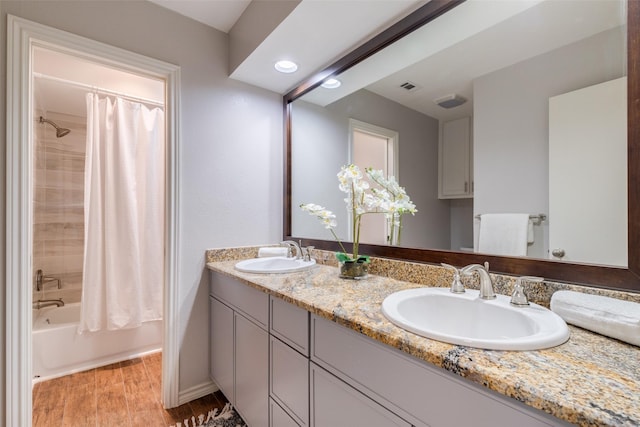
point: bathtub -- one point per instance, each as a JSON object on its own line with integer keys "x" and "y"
{"x": 58, "y": 350}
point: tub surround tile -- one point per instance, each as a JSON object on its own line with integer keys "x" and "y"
{"x": 58, "y": 216}
{"x": 590, "y": 380}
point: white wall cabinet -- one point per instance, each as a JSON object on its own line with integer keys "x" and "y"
{"x": 293, "y": 369}
{"x": 455, "y": 160}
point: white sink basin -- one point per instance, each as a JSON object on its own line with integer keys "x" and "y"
{"x": 465, "y": 319}
{"x": 274, "y": 265}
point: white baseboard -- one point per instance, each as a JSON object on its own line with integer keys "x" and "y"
{"x": 196, "y": 392}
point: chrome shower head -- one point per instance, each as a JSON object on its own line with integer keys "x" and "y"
{"x": 60, "y": 132}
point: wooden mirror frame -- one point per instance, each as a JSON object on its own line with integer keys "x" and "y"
{"x": 586, "y": 274}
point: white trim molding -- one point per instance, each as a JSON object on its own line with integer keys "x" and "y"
{"x": 392, "y": 136}
{"x": 196, "y": 392}
{"x": 22, "y": 37}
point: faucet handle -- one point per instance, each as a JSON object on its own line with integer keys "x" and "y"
{"x": 456, "y": 285}
{"x": 519, "y": 298}
{"x": 306, "y": 252}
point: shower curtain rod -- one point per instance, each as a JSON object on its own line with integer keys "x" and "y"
{"x": 103, "y": 91}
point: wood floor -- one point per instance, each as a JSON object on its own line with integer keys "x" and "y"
{"x": 119, "y": 395}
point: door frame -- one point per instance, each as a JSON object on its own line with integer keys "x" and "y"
{"x": 391, "y": 135}
{"x": 392, "y": 152}
{"x": 22, "y": 36}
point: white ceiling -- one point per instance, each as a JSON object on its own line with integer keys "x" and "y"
{"x": 219, "y": 14}
{"x": 314, "y": 35}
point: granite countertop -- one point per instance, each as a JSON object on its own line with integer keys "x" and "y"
{"x": 591, "y": 380}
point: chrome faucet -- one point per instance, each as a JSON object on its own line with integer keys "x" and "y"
{"x": 456, "y": 285}
{"x": 486, "y": 284}
{"x": 292, "y": 245}
{"x": 519, "y": 298}
{"x": 41, "y": 303}
{"x": 41, "y": 279}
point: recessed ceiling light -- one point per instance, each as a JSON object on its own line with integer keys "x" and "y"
{"x": 285, "y": 66}
{"x": 331, "y": 83}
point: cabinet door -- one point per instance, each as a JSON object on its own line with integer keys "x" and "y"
{"x": 221, "y": 347}
{"x": 252, "y": 372}
{"x": 455, "y": 159}
{"x": 290, "y": 380}
{"x": 279, "y": 418}
{"x": 335, "y": 403}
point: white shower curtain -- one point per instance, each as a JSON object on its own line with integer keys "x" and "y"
{"x": 124, "y": 215}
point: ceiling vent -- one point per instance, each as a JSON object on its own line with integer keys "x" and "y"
{"x": 408, "y": 86}
{"x": 450, "y": 101}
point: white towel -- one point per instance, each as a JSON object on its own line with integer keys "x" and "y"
{"x": 530, "y": 236}
{"x": 272, "y": 251}
{"x": 504, "y": 234}
{"x": 607, "y": 316}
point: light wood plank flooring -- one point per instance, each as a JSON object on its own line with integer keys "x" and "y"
{"x": 119, "y": 395}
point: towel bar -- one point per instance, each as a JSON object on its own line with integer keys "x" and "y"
{"x": 537, "y": 219}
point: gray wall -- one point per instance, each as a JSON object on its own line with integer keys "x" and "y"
{"x": 511, "y": 115}
{"x": 230, "y": 147}
{"x": 418, "y": 159}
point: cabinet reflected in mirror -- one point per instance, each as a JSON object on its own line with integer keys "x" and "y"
{"x": 508, "y": 65}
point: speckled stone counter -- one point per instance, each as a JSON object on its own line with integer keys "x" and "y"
{"x": 590, "y": 381}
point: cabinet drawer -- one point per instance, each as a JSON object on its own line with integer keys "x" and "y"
{"x": 290, "y": 324}
{"x": 251, "y": 302}
{"x": 279, "y": 418}
{"x": 408, "y": 385}
{"x": 335, "y": 403}
{"x": 290, "y": 380}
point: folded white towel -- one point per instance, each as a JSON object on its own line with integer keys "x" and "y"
{"x": 272, "y": 251}
{"x": 503, "y": 234}
{"x": 607, "y": 316}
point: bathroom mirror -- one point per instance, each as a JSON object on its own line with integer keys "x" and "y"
{"x": 363, "y": 73}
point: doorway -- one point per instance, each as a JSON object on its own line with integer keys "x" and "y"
{"x": 375, "y": 147}
{"x": 26, "y": 38}
{"x": 76, "y": 197}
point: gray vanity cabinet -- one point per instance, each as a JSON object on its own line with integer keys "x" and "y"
{"x": 335, "y": 403}
{"x": 283, "y": 367}
{"x": 289, "y": 362}
{"x": 252, "y": 372}
{"x": 221, "y": 347}
{"x": 416, "y": 391}
{"x": 239, "y": 345}
{"x": 278, "y": 417}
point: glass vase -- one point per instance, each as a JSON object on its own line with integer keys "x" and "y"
{"x": 353, "y": 270}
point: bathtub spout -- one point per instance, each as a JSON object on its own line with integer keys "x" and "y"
{"x": 41, "y": 303}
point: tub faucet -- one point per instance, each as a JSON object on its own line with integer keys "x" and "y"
{"x": 41, "y": 279}
{"x": 42, "y": 303}
{"x": 486, "y": 284}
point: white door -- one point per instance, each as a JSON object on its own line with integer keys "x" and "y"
{"x": 588, "y": 174}
{"x": 374, "y": 147}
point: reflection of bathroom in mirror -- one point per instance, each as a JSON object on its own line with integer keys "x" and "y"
{"x": 538, "y": 81}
